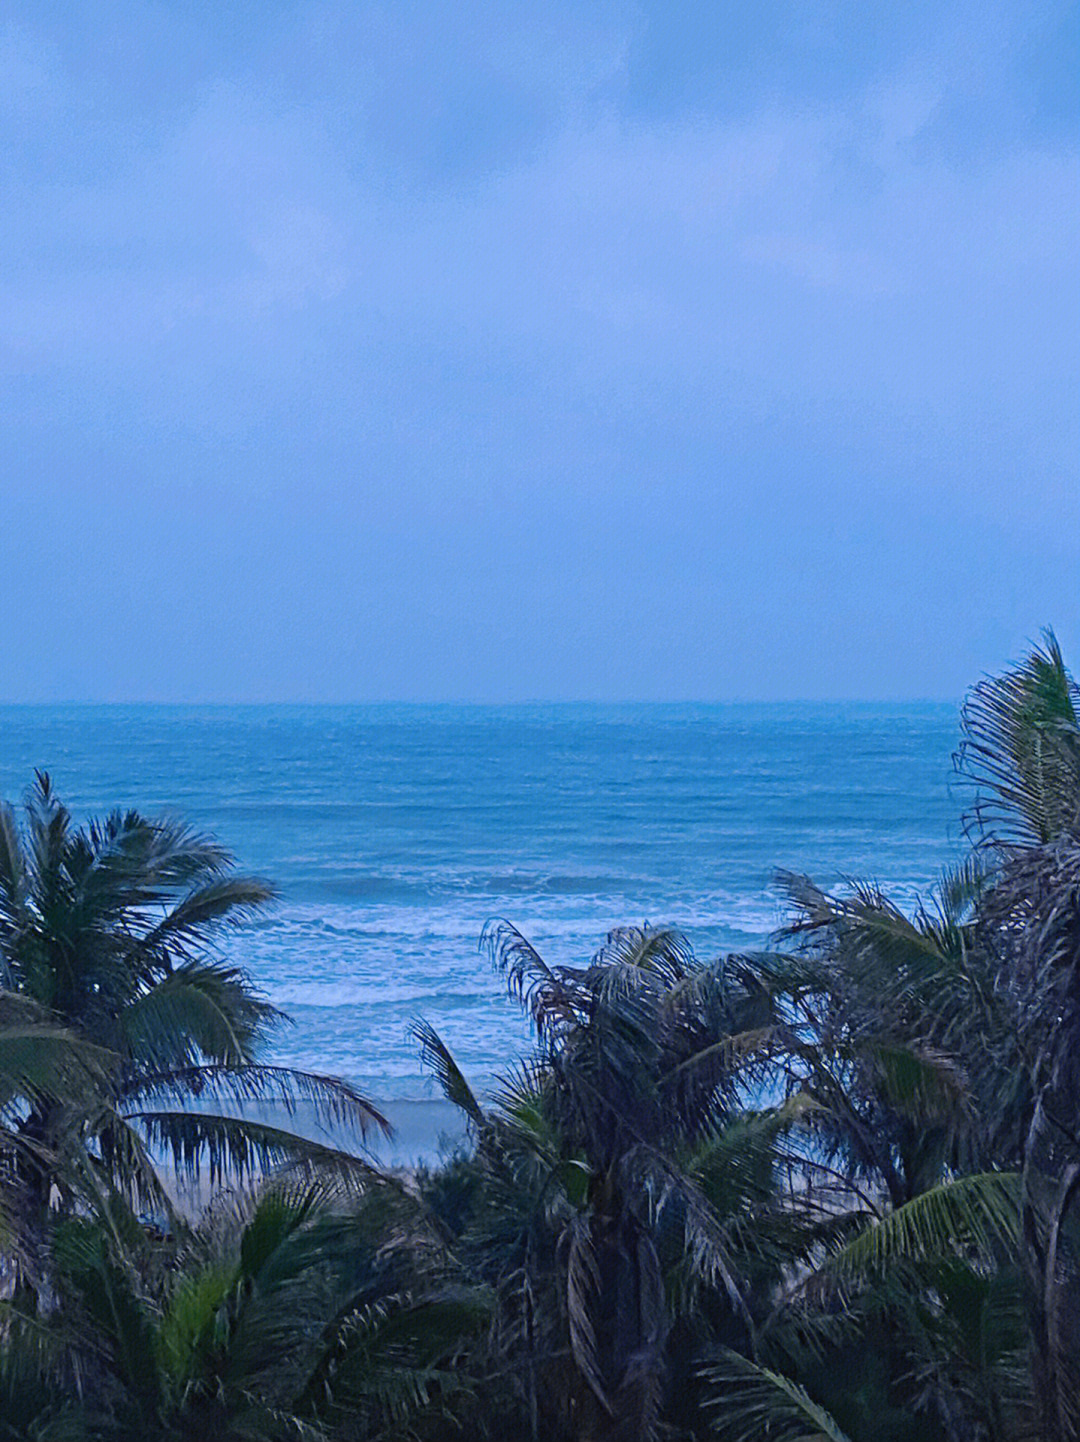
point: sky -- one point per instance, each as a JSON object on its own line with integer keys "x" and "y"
{"x": 505, "y": 351}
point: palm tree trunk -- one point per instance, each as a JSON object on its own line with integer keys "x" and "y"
{"x": 1051, "y": 1185}
{"x": 34, "y": 1186}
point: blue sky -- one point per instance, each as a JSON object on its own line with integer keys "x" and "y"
{"x": 507, "y": 351}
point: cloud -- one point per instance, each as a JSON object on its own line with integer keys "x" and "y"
{"x": 650, "y": 232}
{"x": 486, "y": 282}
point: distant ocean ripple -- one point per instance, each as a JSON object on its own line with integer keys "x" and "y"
{"x": 394, "y": 832}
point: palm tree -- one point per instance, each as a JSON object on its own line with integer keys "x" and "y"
{"x": 625, "y": 1187}
{"x": 942, "y": 1052}
{"x": 106, "y": 939}
{"x": 1022, "y": 752}
{"x": 308, "y": 1312}
{"x": 897, "y": 1030}
{"x": 41, "y": 1064}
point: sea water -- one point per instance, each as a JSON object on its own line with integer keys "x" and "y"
{"x": 394, "y": 832}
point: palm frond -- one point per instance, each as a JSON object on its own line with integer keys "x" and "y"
{"x": 663, "y": 950}
{"x": 394, "y": 1359}
{"x": 582, "y": 1286}
{"x": 44, "y": 1381}
{"x": 960, "y": 887}
{"x": 12, "y": 884}
{"x": 333, "y": 1102}
{"x": 201, "y": 912}
{"x": 40, "y": 1059}
{"x": 229, "y": 1149}
{"x": 435, "y": 1054}
{"x": 164, "y": 851}
{"x": 189, "y": 1315}
{"x": 980, "y": 1211}
{"x": 130, "y": 864}
{"x": 546, "y": 994}
{"x": 751, "y": 1402}
{"x": 868, "y": 918}
{"x": 707, "y": 1243}
{"x": 921, "y": 1082}
{"x": 280, "y": 1214}
{"x": 110, "y": 1299}
{"x": 200, "y": 1012}
{"x": 728, "y": 1054}
{"x": 119, "y": 1169}
{"x": 47, "y": 827}
{"x": 734, "y": 1164}
{"x": 1021, "y": 750}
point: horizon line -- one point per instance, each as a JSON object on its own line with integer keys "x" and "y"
{"x": 472, "y": 702}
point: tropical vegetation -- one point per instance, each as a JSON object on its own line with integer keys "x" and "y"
{"x": 826, "y": 1191}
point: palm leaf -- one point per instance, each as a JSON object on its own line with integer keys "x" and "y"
{"x": 659, "y": 949}
{"x": 729, "y": 1053}
{"x": 436, "y": 1054}
{"x": 201, "y": 1012}
{"x": 111, "y": 1301}
{"x": 582, "y": 1286}
{"x": 189, "y": 1315}
{"x": 39, "y": 1059}
{"x": 960, "y": 887}
{"x": 238, "y": 1149}
{"x": 334, "y": 1103}
{"x": 394, "y": 1358}
{"x": 549, "y": 996}
{"x": 923, "y": 1083}
{"x": 12, "y": 884}
{"x": 1021, "y": 750}
{"x": 980, "y": 1211}
{"x": 189, "y": 923}
{"x": 752, "y": 1402}
{"x": 119, "y": 1168}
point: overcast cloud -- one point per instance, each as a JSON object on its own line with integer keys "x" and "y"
{"x": 509, "y": 351}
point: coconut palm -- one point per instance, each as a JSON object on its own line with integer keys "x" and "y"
{"x": 308, "y": 1312}
{"x": 41, "y": 1064}
{"x": 943, "y": 1053}
{"x": 876, "y": 1030}
{"x": 106, "y": 940}
{"x": 897, "y": 1030}
{"x": 1022, "y": 752}
{"x": 625, "y": 1187}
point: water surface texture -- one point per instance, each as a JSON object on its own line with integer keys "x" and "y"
{"x": 394, "y": 832}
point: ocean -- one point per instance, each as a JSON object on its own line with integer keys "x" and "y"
{"x": 395, "y": 831}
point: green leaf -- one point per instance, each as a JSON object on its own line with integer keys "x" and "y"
{"x": 751, "y": 1403}
{"x": 980, "y": 1211}
{"x": 437, "y": 1055}
{"x": 1021, "y": 750}
{"x": 234, "y": 1149}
